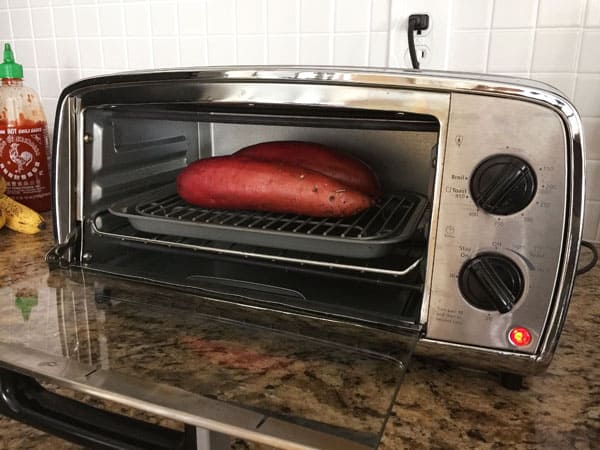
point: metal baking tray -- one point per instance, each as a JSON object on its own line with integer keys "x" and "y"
{"x": 370, "y": 234}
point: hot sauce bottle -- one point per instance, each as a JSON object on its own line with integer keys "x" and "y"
{"x": 23, "y": 138}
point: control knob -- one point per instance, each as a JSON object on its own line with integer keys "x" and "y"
{"x": 503, "y": 185}
{"x": 491, "y": 281}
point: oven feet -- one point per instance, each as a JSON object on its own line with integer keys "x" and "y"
{"x": 511, "y": 381}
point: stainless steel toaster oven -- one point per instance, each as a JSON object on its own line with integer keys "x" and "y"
{"x": 469, "y": 255}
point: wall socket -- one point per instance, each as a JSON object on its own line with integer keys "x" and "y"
{"x": 423, "y": 56}
{"x": 430, "y": 45}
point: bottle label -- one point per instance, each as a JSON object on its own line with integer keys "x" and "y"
{"x": 24, "y": 166}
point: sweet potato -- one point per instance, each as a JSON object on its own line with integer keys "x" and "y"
{"x": 229, "y": 182}
{"x": 341, "y": 167}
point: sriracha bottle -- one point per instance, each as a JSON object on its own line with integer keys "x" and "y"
{"x": 23, "y": 138}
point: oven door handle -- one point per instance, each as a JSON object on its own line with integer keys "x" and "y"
{"x": 22, "y": 398}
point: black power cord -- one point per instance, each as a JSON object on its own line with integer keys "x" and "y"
{"x": 589, "y": 266}
{"x": 416, "y": 23}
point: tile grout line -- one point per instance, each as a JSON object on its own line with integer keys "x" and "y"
{"x": 150, "y": 37}
{"x": 125, "y": 40}
{"x": 369, "y": 31}
{"x": 489, "y": 37}
{"x": 300, "y": 22}
{"x": 35, "y": 58}
{"x": 58, "y": 65}
{"x": 265, "y": 15}
{"x": 204, "y": 10}
{"x": 235, "y": 32}
{"x": 580, "y": 34}
{"x": 298, "y": 30}
{"x": 54, "y": 40}
{"x": 449, "y": 33}
{"x": 388, "y": 43}
{"x": 535, "y": 32}
{"x": 100, "y": 37}
{"x": 178, "y": 37}
{"x": 333, "y": 9}
{"x": 10, "y": 27}
{"x": 177, "y": 26}
{"x": 76, "y": 38}
{"x": 578, "y": 46}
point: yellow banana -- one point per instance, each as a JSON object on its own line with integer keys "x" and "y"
{"x": 2, "y": 185}
{"x": 19, "y": 217}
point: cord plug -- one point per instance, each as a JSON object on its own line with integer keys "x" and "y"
{"x": 416, "y": 24}
{"x": 420, "y": 22}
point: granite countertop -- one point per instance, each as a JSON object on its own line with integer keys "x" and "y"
{"x": 438, "y": 405}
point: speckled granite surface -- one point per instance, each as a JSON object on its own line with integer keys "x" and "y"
{"x": 438, "y": 406}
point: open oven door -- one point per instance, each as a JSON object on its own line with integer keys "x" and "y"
{"x": 279, "y": 378}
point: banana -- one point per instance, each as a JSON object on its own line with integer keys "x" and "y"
{"x": 19, "y": 217}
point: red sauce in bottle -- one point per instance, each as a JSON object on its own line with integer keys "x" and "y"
{"x": 23, "y": 145}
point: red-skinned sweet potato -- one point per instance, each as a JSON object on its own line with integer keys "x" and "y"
{"x": 346, "y": 169}
{"x": 230, "y": 182}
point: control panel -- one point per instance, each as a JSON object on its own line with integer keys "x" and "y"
{"x": 501, "y": 222}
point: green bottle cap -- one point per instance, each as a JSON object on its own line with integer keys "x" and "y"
{"x": 9, "y": 68}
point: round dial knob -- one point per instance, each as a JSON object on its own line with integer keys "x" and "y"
{"x": 492, "y": 282}
{"x": 503, "y": 184}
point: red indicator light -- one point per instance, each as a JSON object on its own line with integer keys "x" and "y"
{"x": 519, "y": 336}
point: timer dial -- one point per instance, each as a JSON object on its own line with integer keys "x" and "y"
{"x": 503, "y": 185}
{"x": 491, "y": 281}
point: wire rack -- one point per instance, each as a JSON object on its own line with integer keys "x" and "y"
{"x": 369, "y": 234}
{"x": 384, "y": 219}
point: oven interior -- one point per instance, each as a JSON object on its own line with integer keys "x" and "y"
{"x": 368, "y": 269}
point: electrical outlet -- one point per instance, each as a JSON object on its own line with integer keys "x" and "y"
{"x": 430, "y": 44}
{"x": 423, "y": 56}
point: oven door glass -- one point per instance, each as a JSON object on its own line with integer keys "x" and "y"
{"x": 273, "y": 377}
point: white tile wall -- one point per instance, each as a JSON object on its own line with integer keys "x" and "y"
{"x": 590, "y": 52}
{"x": 192, "y": 51}
{"x": 192, "y": 18}
{"x": 163, "y": 19}
{"x": 282, "y": 49}
{"x": 220, "y": 16}
{"x": 560, "y": 13}
{"x": 251, "y": 49}
{"x": 514, "y": 13}
{"x": 469, "y": 51}
{"x": 380, "y": 15}
{"x": 553, "y": 51}
{"x": 555, "y": 41}
{"x": 510, "y": 51}
{"x": 472, "y": 14}
{"x": 282, "y": 16}
{"x": 250, "y": 16}
{"x": 591, "y": 127}
{"x": 593, "y": 14}
{"x": 352, "y": 15}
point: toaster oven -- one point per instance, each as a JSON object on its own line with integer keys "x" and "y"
{"x": 469, "y": 255}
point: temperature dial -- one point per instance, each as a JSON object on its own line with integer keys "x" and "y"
{"x": 491, "y": 282}
{"x": 503, "y": 185}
